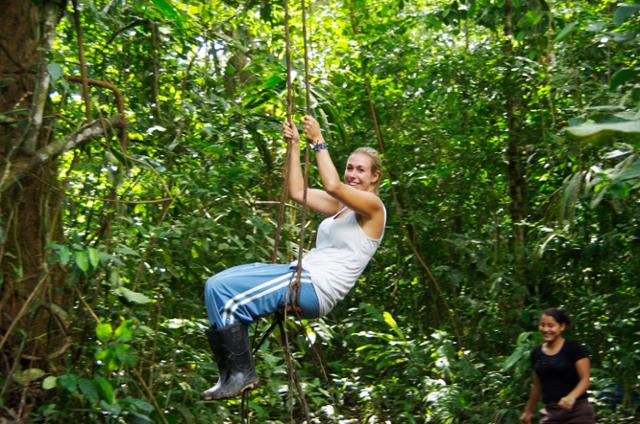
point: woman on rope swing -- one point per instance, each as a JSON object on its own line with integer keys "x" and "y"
{"x": 345, "y": 243}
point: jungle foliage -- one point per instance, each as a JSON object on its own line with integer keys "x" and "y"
{"x": 510, "y": 132}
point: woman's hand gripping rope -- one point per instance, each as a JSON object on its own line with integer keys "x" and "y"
{"x": 290, "y": 132}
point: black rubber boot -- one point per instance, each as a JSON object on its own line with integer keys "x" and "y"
{"x": 231, "y": 348}
{"x": 218, "y": 354}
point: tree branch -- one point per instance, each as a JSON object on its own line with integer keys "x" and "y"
{"x": 14, "y": 171}
{"x": 42, "y": 84}
{"x": 124, "y": 134}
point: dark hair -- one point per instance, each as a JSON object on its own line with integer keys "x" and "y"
{"x": 559, "y": 315}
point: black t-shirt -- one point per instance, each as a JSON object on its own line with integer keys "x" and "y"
{"x": 557, "y": 373}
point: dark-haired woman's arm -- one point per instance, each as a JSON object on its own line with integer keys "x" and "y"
{"x": 534, "y": 398}
{"x": 583, "y": 367}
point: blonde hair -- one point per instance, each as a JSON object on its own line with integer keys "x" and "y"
{"x": 376, "y": 162}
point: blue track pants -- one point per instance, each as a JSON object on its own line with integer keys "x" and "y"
{"x": 246, "y": 292}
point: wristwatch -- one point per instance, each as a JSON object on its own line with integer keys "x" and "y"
{"x": 320, "y": 146}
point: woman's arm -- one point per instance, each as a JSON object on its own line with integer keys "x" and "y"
{"x": 583, "y": 367}
{"x": 318, "y": 200}
{"x": 362, "y": 202}
{"x": 534, "y": 398}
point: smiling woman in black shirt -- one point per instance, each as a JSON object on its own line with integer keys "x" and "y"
{"x": 561, "y": 371}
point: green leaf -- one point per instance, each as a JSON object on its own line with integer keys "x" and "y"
{"x": 126, "y": 355}
{"x": 105, "y": 389}
{"x": 168, "y": 11}
{"x": 187, "y": 415}
{"x": 367, "y": 346}
{"x": 136, "y": 418}
{"x": 27, "y": 376}
{"x": 104, "y": 331}
{"x": 111, "y": 158}
{"x": 139, "y": 404}
{"x": 82, "y": 260}
{"x": 114, "y": 409}
{"x": 50, "y": 382}
{"x": 625, "y": 12}
{"x": 617, "y": 153}
{"x": 63, "y": 253}
{"x": 103, "y": 355}
{"x": 123, "y": 333}
{"x": 566, "y": 31}
{"x": 94, "y": 257}
{"x": 273, "y": 81}
{"x": 88, "y": 390}
{"x": 543, "y": 246}
{"x": 571, "y": 192}
{"x": 391, "y": 322}
{"x": 127, "y": 251}
{"x": 630, "y": 170}
{"x": 132, "y": 296}
{"x": 114, "y": 278}
{"x": 589, "y": 129}
{"x": 69, "y": 382}
{"x": 622, "y": 76}
{"x": 55, "y": 71}
{"x": 514, "y": 358}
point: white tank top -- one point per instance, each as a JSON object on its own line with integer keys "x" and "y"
{"x": 342, "y": 252}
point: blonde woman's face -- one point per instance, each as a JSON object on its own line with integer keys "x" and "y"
{"x": 357, "y": 173}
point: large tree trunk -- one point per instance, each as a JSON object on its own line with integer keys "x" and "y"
{"x": 515, "y": 168}
{"x": 30, "y": 330}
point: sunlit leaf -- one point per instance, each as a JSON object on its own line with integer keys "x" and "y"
{"x": 50, "y": 382}
{"x": 123, "y": 333}
{"x": 391, "y": 322}
{"x": 169, "y": 11}
{"x": 589, "y": 129}
{"x": 27, "y": 376}
{"x": 104, "y": 331}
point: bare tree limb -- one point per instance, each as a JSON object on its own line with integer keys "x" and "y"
{"x": 13, "y": 172}
{"x": 124, "y": 134}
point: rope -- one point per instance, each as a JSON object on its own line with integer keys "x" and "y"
{"x": 293, "y": 292}
{"x": 292, "y": 297}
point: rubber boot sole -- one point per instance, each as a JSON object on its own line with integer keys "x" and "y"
{"x": 250, "y": 386}
{"x": 246, "y": 388}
